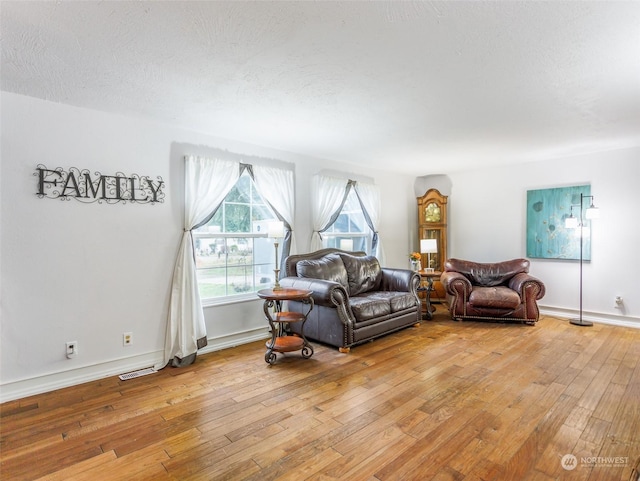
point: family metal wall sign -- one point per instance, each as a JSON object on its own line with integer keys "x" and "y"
{"x": 84, "y": 186}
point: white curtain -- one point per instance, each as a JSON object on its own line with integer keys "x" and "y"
{"x": 327, "y": 196}
{"x": 276, "y": 187}
{"x": 207, "y": 182}
{"x": 369, "y": 196}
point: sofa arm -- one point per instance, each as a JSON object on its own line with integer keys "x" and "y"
{"x": 456, "y": 284}
{"x": 524, "y": 282}
{"x": 400, "y": 280}
{"x": 325, "y": 293}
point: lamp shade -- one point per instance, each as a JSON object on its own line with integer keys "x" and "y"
{"x": 571, "y": 222}
{"x": 346, "y": 244}
{"x": 592, "y": 212}
{"x": 428, "y": 246}
{"x": 275, "y": 229}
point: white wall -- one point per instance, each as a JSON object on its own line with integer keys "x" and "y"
{"x": 487, "y": 222}
{"x": 90, "y": 272}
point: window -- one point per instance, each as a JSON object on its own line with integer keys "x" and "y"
{"x": 234, "y": 257}
{"x": 350, "y": 231}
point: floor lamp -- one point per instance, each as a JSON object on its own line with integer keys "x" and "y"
{"x": 573, "y": 222}
{"x": 275, "y": 230}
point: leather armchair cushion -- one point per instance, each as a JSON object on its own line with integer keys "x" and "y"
{"x": 363, "y": 272}
{"x": 495, "y": 297}
{"x": 329, "y": 268}
{"x": 488, "y": 275}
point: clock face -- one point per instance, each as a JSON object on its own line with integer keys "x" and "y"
{"x": 432, "y": 213}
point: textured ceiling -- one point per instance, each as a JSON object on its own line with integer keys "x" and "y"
{"x": 418, "y": 87}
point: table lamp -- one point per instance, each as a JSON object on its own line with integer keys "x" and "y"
{"x": 346, "y": 244}
{"x": 428, "y": 246}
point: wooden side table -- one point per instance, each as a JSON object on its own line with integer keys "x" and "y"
{"x": 277, "y": 318}
{"x": 428, "y": 289}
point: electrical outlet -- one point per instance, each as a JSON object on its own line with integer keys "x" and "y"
{"x": 71, "y": 349}
{"x": 127, "y": 338}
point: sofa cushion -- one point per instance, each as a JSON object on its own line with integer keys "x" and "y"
{"x": 398, "y": 301}
{"x": 499, "y": 297}
{"x": 368, "y": 307}
{"x": 329, "y": 268}
{"x": 363, "y": 273}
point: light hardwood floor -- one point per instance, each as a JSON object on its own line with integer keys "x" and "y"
{"x": 443, "y": 401}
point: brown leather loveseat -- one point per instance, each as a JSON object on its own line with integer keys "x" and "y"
{"x": 496, "y": 291}
{"x": 355, "y": 300}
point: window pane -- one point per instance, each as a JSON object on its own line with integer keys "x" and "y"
{"x": 357, "y": 223}
{"x": 215, "y": 224}
{"x": 341, "y": 224}
{"x": 237, "y": 218}
{"x": 264, "y": 261}
{"x": 239, "y": 264}
{"x": 261, "y": 212}
{"x": 241, "y": 192}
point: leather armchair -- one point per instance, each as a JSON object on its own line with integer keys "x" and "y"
{"x": 502, "y": 291}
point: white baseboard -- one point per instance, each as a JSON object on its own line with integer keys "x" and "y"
{"x": 50, "y": 382}
{"x": 613, "y": 319}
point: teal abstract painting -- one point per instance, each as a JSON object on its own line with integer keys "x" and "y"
{"x": 547, "y": 236}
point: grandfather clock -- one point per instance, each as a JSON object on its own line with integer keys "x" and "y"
{"x": 432, "y": 224}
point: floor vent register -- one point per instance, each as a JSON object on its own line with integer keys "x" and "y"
{"x": 134, "y": 374}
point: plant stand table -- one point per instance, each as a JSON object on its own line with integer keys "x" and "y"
{"x": 280, "y": 340}
{"x": 428, "y": 289}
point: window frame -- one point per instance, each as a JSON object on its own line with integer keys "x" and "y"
{"x": 203, "y": 233}
{"x": 366, "y": 233}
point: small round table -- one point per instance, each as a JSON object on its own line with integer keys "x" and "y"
{"x": 280, "y": 341}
